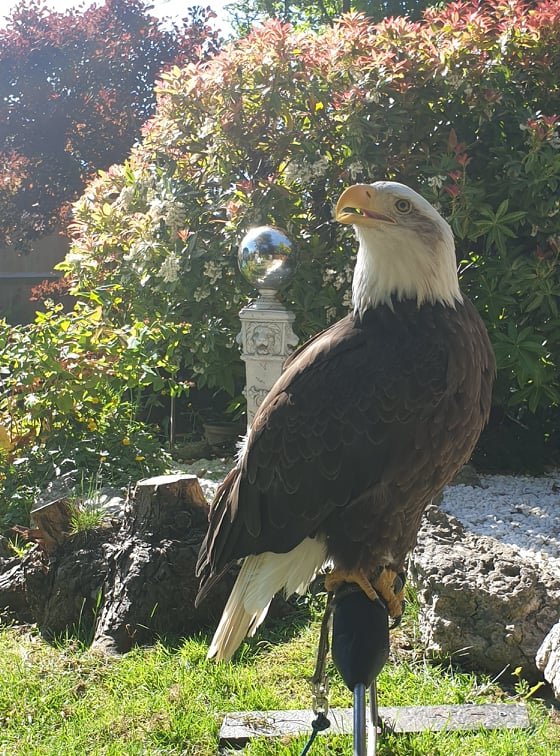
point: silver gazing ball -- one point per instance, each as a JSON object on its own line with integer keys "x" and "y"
{"x": 266, "y": 258}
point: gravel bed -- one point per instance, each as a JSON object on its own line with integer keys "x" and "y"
{"x": 519, "y": 510}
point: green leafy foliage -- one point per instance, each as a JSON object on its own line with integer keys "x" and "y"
{"x": 462, "y": 105}
{"x": 70, "y": 400}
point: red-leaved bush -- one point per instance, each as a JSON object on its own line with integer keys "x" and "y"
{"x": 462, "y": 105}
{"x": 75, "y": 88}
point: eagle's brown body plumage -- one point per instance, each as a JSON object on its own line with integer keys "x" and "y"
{"x": 369, "y": 421}
{"x": 405, "y": 409}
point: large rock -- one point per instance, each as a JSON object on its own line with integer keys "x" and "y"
{"x": 481, "y": 600}
{"x": 548, "y": 659}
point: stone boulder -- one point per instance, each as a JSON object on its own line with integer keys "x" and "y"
{"x": 481, "y": 601}
{"x": 548, "y": 659}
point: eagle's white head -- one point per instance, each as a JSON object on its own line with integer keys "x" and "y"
{"x": 406, "y": 249}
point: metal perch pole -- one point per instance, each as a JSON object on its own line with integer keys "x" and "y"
{"x": 373, "y": 719}
{"x": 365, "y": 728}
{"x": 359, "y": 712}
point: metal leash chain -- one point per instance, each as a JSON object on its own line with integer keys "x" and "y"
{"x": 320, "y": 680}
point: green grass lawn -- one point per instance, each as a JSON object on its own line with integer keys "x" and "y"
{"x": 65, "y": 699}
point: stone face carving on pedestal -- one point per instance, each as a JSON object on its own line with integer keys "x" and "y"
{"x": 266, "y": 260}
{"x": 263, "y": 338}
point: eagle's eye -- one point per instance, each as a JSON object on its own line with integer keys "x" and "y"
{"x": 403, "y": 206}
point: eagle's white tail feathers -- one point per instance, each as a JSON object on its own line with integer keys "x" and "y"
{"x": 260, "y": 577}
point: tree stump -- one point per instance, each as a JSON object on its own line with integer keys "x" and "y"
{"x": 15, "y": 574}
{"x": 151, "y": 585}
{"x": 127, "y": 582}
{"x": 52, "y": 524}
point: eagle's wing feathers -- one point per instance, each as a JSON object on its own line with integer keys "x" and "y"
{"x": 270, "y": 502}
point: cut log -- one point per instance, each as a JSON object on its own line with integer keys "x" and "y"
{"x": 52, "y": 524}
{"x": 150, "y": 586}
{"x": 68, "y": 601}
{"x": 58, "y": 593}
{"x": 129, "y": 581}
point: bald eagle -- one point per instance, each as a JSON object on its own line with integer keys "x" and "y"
{"x": 368, "y": 422}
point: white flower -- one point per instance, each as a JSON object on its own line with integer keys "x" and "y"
{"x": 302, "y": 172}
{"x": 305, "y": 171}
{"x": 320, "y": 167}
{"x": 200, "y": 294}
{"x": 329, "y": 275}
{"x": 139, "y": 248}
{"x": 125, "y": 197}
{"x": 157, "y": 209}
{"x": 170, "y": 268}
{"x": 291, "y": 171}
{"x": 73, "y": 257}
{"x": 355, "y": 169}
{"x": 213, "y": 271}
{"x": 175, "y": 216}
{"x": 373, "y": 96}
{"x": 436, "y": 182}
{"x": 207, "y": 128}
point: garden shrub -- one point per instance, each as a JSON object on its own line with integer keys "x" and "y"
{"x": 71, "y": 389}
{"x": 462, "y": 105}
{"x": 75, "y": 88}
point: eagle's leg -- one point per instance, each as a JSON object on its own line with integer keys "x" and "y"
{"x": 384, "y": 583}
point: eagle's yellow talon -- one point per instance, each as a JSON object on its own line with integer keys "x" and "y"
{"x": 385, "y": 586}
{"x": 382, "y": 587}
{"x": 335, "y": 579}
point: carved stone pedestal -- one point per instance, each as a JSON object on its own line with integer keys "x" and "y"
{"x": 267, "y": 339}
{"x": 266, "y": 259}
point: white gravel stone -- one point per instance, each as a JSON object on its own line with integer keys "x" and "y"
{"x": 520, "y": 511}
